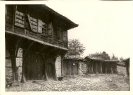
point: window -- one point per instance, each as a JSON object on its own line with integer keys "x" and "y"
{"x": 42, "y": 27}
{"x": 33, "y": 23}
{"x": 19, "y": 19}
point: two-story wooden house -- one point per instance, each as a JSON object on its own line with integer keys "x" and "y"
{"x": 36, "y": 39}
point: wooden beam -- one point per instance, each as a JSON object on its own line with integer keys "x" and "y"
{"x": 43, "y": 48}
{"x": 28, "y": 49}
{"x": 33, "y": 39}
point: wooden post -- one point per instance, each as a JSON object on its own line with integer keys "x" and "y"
{"x": 96, "y": 67}
{"x": 62, "y": 58}
{"x": 70, "y": 68}
{"x": 14, "y": 15}
{"x": 92, "y": 67}
{"x": 101, "y": 67}
{"x": 89, "y": 67}
{"x": 45, "y": 67}
{"x": 46, "y": 76}
{"x": 112, "y": 68}
{"x": 105, "y": 68}
{"x": 23, "y": 79}
{"x": 55, "y": 71}
{"x": 13, "y": 60}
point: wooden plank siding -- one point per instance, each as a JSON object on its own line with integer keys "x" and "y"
{"x": 73, "y": 67}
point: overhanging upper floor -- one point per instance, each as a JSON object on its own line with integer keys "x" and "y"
{"x": 38, "y": 23}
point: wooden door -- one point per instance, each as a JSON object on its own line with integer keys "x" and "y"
{"x": 34, "y": 67}
{"x": 50, "y": 71}
{"x": 75, "y": 68}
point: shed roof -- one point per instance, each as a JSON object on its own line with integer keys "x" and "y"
{"x": 126, "y": 60}
{"x": 100, "y": 60}
{"x": 79, "y": 59}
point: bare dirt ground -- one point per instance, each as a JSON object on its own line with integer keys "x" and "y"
{"x": 102, "y": 82}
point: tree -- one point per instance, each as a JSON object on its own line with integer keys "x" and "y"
{"x": 121, "y": 59}
{"x": 114, "y": 57}
{"x": 75, "y": 48}
{"x": 102, "y": 55}
{"x": 105, "y": 56}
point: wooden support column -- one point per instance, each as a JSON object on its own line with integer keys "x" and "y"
{"x": 101, "y": 67}
{"x": 46, "y": 76}
{"x": 13, "y": 61}
{"x": 89, "y": 67}
{"x": 111, "y": 68}
{"x": 96, "y": 67}
{"x": 15, "y": 8}
{"x": 105, "y": 68}
{"x": 55, "y": 72}
{"x": 70, "y": 67}
{"x": 92, "y": 67}
{"x": 45, "y": 67}
{"x": 62, "y": 58}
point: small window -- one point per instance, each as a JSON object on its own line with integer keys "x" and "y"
{"x": 42, "y": 27}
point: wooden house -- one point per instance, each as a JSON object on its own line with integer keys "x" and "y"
{"x": 37, "y": 40}
{"x": 73, "y": 66}
{"x": 99, "y": 66}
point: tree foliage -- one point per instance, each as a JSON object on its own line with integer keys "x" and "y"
{"x": 75, "y": 48}
{"x": 114, "y": 57}
{"x": 121, "y": 58}
{"x": 102, "y": 55}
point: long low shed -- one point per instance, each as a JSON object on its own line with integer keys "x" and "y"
{"x": 99, "y": 66}
{"x": 73, "y": 66}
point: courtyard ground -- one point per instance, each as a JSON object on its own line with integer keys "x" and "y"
{"x": 100, "y": 82}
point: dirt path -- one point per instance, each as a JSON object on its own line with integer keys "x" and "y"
{"x": 79, "y": 83}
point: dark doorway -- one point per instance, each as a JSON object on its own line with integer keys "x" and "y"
{"x": 75, "y": 68}
{"x": 34, "y": 67}
{"x": 50, "y": 71}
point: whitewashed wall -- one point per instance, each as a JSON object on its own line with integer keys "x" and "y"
{"x": 58, "y": 66}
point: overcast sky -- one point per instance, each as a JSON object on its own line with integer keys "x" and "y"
{"x": 103, "y": 25}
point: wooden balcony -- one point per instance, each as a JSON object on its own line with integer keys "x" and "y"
{"x": 41, "y": 38}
